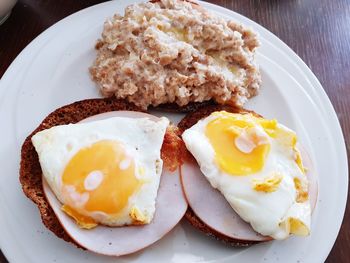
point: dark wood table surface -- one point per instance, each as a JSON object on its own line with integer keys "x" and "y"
{"x": 317, "y": 30}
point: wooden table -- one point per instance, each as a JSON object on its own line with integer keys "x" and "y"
{"x": 317, "y": 30}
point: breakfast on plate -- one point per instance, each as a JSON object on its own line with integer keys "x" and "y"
{"x": 112, "y": 178}
{"x": 174, "y": 51}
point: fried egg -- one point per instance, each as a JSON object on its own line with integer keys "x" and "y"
{"x": 104, "y": 172}
{"x": 255, "y": 164}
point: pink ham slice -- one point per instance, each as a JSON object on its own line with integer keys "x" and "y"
{"x": 213, "y": 209}
{"x": 171, "y": 206}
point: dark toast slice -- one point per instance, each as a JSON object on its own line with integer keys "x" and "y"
{"x": 187, "y": 122}
{"x": 173, "y": 107}
{"x": 30, "y": 170}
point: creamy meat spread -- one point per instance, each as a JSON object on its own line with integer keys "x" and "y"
{"x": 173, "y": 51}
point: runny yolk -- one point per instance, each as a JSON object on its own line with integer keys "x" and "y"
{"x": 104, "y": 175}
{"x": 222, "y": 133}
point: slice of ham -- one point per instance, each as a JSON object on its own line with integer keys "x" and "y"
{"x": 212, "y": 208}
{"x": 171, "y": 206}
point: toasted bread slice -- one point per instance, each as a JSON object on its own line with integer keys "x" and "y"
{"x": 30, "y": 170}
{"x": 200, "y": 225}
{"x": 187, "y": 122}
{"x": 191, "y": 107}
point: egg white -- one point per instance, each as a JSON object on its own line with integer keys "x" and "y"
{"x": 266, "y": 212}
{"x": 142, "y": 139}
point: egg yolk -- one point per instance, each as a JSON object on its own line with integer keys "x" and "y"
{"x": 100, "y": 178}
{"x": 222, "y": 133}
{"x": 241, "y": 143}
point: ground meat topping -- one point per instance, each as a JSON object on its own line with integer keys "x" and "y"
{"x": 173, "y": 51}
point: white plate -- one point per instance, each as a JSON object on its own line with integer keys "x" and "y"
{"x": 52, "y": 71}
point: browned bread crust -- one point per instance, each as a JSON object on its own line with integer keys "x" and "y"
{"x": 201, "y": 111}
{"x": 187, "y": 122}
{"x": 200, "y": 225}
{"x": 193, "y": 106}
{"x": 30, "y": 170}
